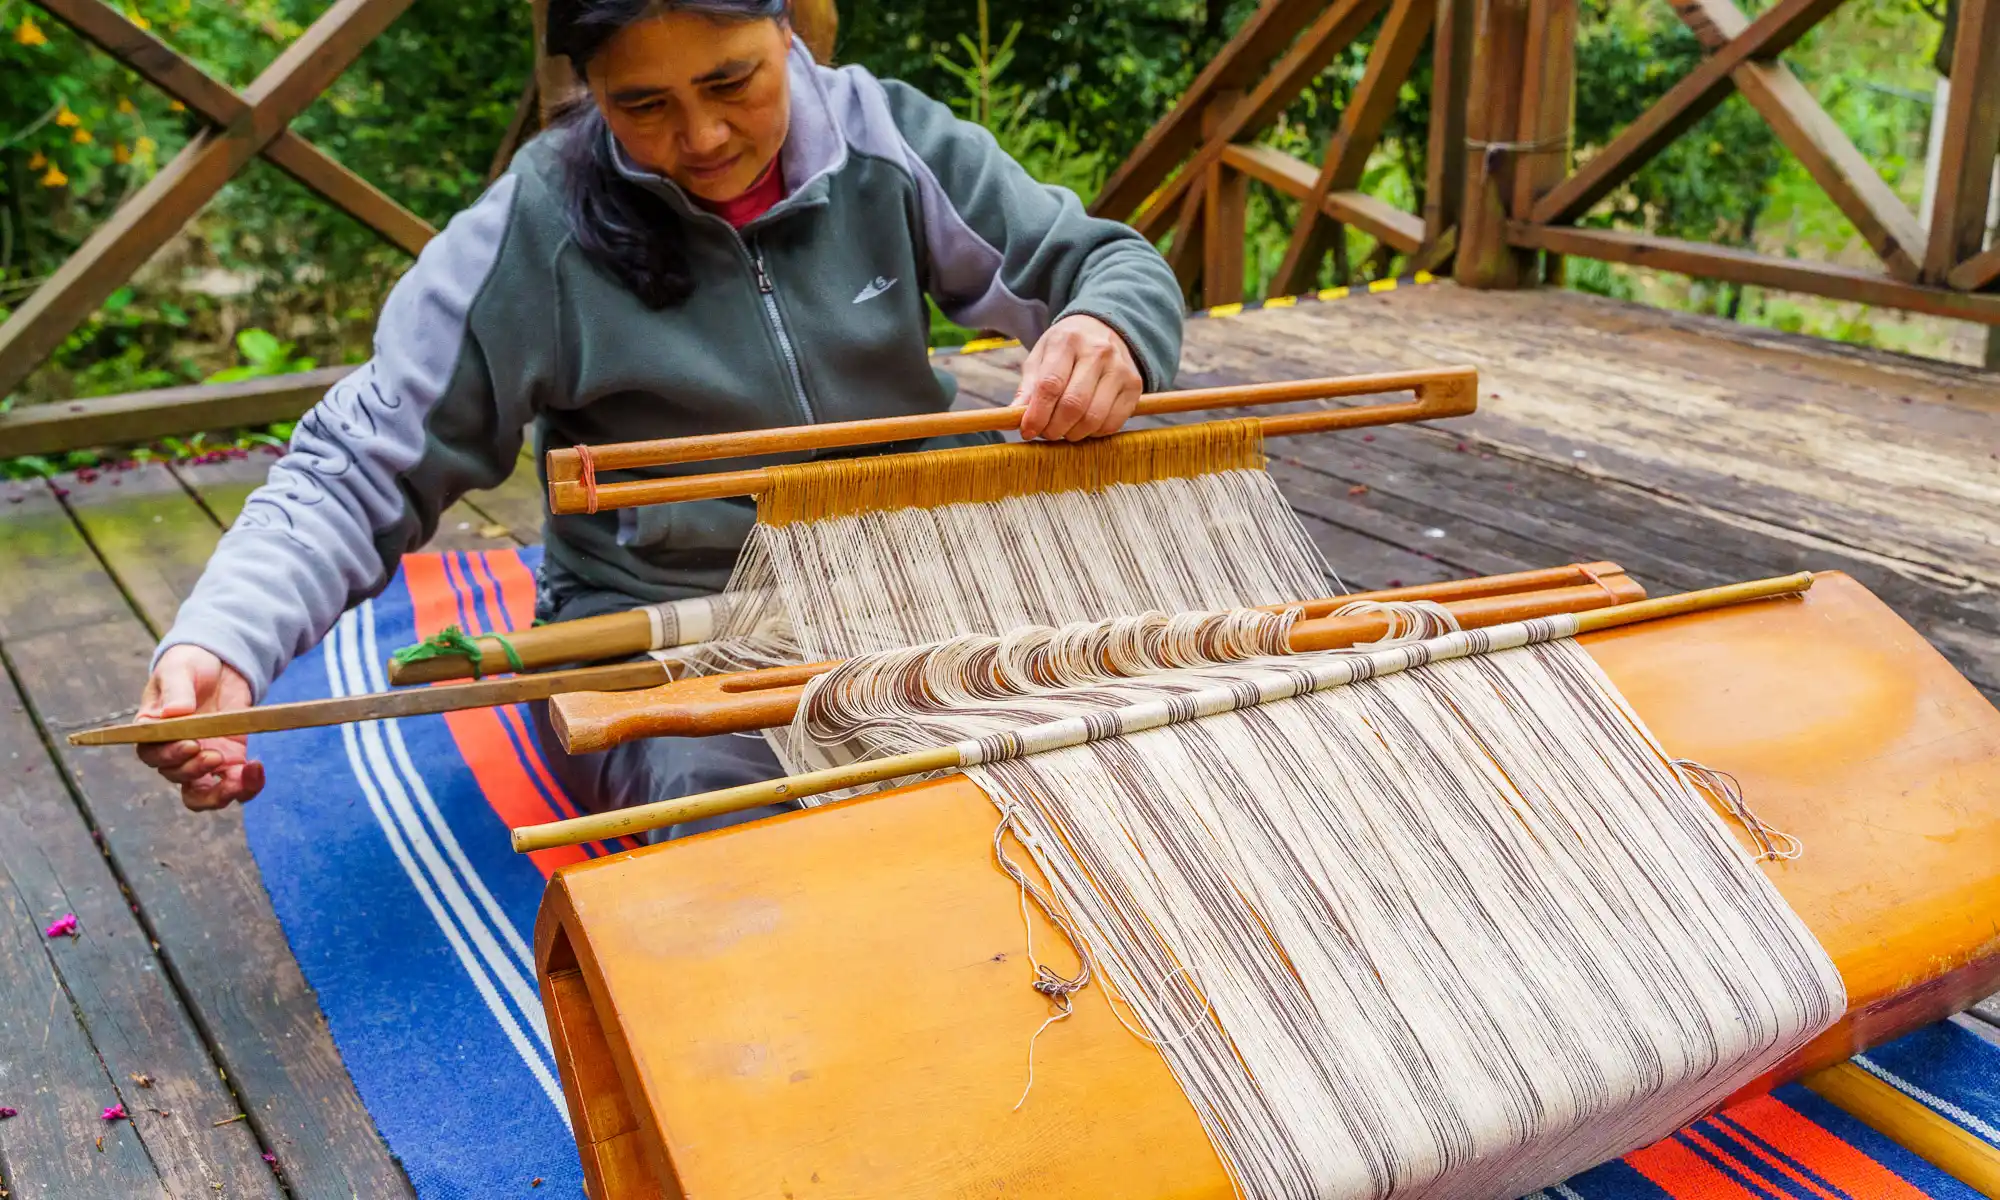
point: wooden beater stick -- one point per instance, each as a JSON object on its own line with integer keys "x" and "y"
{"x": 617, "y": 677}
{"x": 1072, "y": 732}
{"x": 574, "y": 488}
{"x": 709, "y": 705}
{"x": 623, "y": 634}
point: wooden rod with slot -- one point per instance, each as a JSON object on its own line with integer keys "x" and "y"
{"x": 641, "y": 818}
{"x": 613, "y": 678}
{"x": 623, "y": 634}
{"x": 1439, "y": 392}
{"x": 586, "y": 722}
{"x": 1874, "y": 1102}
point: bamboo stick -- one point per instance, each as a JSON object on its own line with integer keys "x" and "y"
{"x": 707, "y": 706}
{"x": 623, "y": 634}
{"x": 574, "y": 488}
{"x": 642, "y": 818}
{"x": 620, "y": 677}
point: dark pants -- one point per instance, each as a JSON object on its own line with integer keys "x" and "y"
{"x": 652, "y": 768}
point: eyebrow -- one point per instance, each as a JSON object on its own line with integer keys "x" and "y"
{"x": 735, "y": 66}
{"x": 728, "y": 70}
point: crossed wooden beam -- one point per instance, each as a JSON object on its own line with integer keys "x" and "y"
{"x": 243, "y": 125}
{"x": 1286, "y": 43}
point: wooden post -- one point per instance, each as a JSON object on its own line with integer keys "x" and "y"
{"x": 555, "y": 83}
{"x": 817, "y": 22}
{"x": 1971, "y": 139}
{"x": 1548, "y": 116}
{"x": 1492, "y": 121}
{"x": 1444, "y": 165}
{"x": 1225, "y": 197}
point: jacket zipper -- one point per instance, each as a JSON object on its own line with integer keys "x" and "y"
{"x": 770, "y": 295}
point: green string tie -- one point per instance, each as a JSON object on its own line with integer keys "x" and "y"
{"x": 451, "y": 642}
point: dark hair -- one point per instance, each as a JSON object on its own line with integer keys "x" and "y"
{"x": 625, "y": 229}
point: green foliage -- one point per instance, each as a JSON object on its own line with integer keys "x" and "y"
{"x": 263, "y": 354}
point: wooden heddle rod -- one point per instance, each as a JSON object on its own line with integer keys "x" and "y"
{"x": 575, "y": 486}
{"x": 628, "y": 822}
{"x": 752, "y": 700}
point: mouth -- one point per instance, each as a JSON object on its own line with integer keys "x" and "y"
{"x": 709, "y": 171}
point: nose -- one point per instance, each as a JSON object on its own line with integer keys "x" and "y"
{"x": 707, "y": 135}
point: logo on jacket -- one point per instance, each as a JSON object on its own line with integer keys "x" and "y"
{"x": 874, "y": 289}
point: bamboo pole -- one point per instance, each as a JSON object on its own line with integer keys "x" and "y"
{"x": 750, "y": 689}
{"x": 623, "y": 634}
{"x": 1057, "y": 735}
{"x": 707, "y": 706}
{"x": 573, "y": 471}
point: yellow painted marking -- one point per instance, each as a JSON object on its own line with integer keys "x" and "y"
{"x": 981, "y": 344}
{"x": 1382, "y": 285}
{"x": 1332, "y": 293}
{"x": 1281, "y": 302}
{"x": 1225, "y": 310}
{"x": 1425, "y": 277}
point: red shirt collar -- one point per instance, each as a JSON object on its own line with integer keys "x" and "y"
{"x": 754, "y": 203}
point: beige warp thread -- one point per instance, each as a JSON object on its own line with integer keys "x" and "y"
{"x": 869, "y": 554}
{"x": 1461, "y": 931}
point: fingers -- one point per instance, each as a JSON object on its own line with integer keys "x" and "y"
{"x": 1044, "y": 389}
{"x": 181, "y": 681}
{"x": 234, "y": 784}
{"x": 164, "y": 755}
{"x": 1071, "y": 419}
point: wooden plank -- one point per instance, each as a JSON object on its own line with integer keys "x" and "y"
{"x": 137, "y": 417}
{"x": 526, "y": 118}
{"x": 1296, "y": 178}
{"x": 53, "y": 1077}
{"x": 1826, "y": 152}
{"x": 1742, "y": 266}
{"x": 1548, "y": 102}
{"x": 1224, "y": 209}
{"x": 157, "y": 211}
{"x": 1185, "y": 254}
{"x": 105, "y": 988}
{"x": 115, "y": 34}
{"x": 1976, "y": 272}
{"x": 1338, "y": 25}
{"x": 1378, "y": 219}
{"x": 1971, "y": 140}
{"x": 1261, "y": 38}
{"x": 1444, "y": 162}
{"x": 1492, "y": 120}
{"x": 127, "y": 515}
{"x": 348, "y": 192}
{"x": 1688, "y": 101}
{"x": 65, "y": 625}
{"x": 1390, "y": 59}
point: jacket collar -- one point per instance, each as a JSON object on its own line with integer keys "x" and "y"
{"x": 814, "y": 149}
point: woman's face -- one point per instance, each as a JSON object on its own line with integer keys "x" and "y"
{"x": 704, "y": 101}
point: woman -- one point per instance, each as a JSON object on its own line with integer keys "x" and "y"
{"x": 724, "y": 236}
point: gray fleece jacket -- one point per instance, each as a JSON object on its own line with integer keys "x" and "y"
{"x": 812, "y": 312}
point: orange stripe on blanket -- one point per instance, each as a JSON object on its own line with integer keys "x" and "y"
{"x": 482, "y": 734}
{"x": 1678, "y": 1171}
{"x": 1841, "y": 1164}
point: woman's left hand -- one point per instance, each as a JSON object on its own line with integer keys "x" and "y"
{"x": 1079, "y": 382}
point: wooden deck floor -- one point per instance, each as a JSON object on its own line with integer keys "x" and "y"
{"x": 1693, "y": 452}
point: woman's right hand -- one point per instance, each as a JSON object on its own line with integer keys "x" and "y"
{"x": 213, "y": 772}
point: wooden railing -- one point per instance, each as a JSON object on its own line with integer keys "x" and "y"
{"x": 1501, "y": 191}
{"x": 242, "y": 126}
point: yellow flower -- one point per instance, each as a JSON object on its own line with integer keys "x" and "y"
{"x": 30, "y": 34}
{"x": 121, "y": 154}
{"x": 138, "y": 20}
{"x": 82, "y": 137}
{"x": 37, "y": 162}
{"x": 144, "y": 147}
{"x": 68, "y": 119}
{"x": 55, "y": 178}
{"x": 125, "y": 106}
{"x": 177, "y": 106}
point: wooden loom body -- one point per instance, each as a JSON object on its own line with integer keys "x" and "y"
{"x": 835, "y": 1003}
